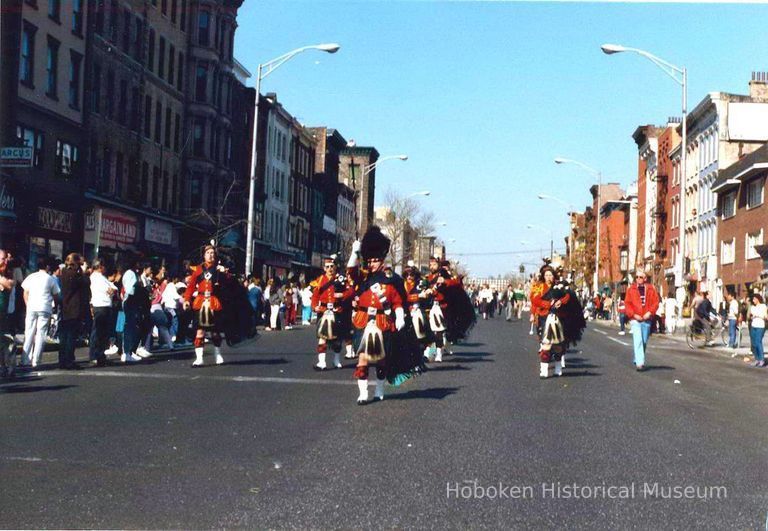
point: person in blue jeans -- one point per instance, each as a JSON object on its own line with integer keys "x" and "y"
{"x": 758, "y": 314}
{"x": 640, "y": 305}
{"x": 732, "y": 308}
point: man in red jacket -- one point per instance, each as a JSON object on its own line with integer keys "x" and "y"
{"x": 640, "y": 305}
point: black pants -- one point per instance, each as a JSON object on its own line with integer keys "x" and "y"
{"x": 100, "y": 329}
{"x": 67, "y": 335}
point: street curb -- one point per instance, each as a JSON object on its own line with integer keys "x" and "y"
{"x": 720, "y": 352}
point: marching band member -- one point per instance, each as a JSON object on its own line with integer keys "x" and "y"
{"x": 205, "y": 285}
{"x": 378, "y": 310}
{"x": 331, "y": 299}
{"x": 546, "y": 300}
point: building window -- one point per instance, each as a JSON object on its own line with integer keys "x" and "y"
{"x": 203, "y": 27}
{"x": 155, "y": 199}
{"x": 122, "y": 110}
{"x": 110, "y": 87}
{"x": 66, "y": 158}
{"x": 161, "y": 59}
{"x": 753, "y": 239}
{"x": 201, "y": 82}
{"x": 729, "y": 205}
{"x": 113, "y": 21}
{"x": 174, "y": 7}
{"x": 137, "y": 39}
{"x": 119, "y": 174}
{"x": 27, "y": 63}
{"x": 74, "y": 79}
{"x": 100, "y": 9}
{"x": 135, "y": 109}
{"x": 52, "y": 68}
{"x": 127, "y": 19}
{"x": 54, "y": 9}
{"x": 164, "y": 7}
{"x": 144, "y": 183}
{"x": 755, "y": 193}
{"x": 158, "y": 121}
{"x": 106, "y": 171}
{"x": 151, "y": 50}
{"x": 164, "y": 201}
{"x": 77, "y": 17}
{"x": 168, "y": 127}
{"x": 177, "y": 133}
{"x": 147, "y": 116}
{"x": 171, "y": 63}
{"x": 180, "y": 77}
{"x": 183, "y": 17}
{"x": 96, "y": 89}
{"x": 199, "y": 138}
{"x": 33, "y": 138}
{"x": 195, "y": 192}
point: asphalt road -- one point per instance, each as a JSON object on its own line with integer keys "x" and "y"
{"x": 266, "y": 442}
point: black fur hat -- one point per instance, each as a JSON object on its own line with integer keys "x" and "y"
{"x": 374, "y": 244}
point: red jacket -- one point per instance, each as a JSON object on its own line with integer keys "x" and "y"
{"x": 633, "y": 304}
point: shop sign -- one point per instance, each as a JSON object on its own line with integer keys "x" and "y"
{"x": 116, "y": 228}
{"x": 7, "y": 202}
{"x": 16, "y": 157}
{"x": 55, "y": 220}
{"x": 158, "y": 231}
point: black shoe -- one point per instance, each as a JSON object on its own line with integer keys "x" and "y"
{"x": 640, "y": 368}
{"x": 73, "y": 367}
{"x": 363, "y": 402}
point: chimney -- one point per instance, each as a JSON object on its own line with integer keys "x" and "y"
{"x": 758, "y": 86}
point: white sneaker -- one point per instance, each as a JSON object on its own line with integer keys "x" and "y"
{"x": 143, "y": 353}
{"x": 134, "y": 357}
{"x": 111, "y": 350}
{"x": 218, "y": 356}
{"x": 621, "y": 332}
{"x": 123, "y": 358}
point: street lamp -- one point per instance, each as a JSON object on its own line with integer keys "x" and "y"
{"x": 557, "y": 199}
{"x": 561, "y": 160}
{"x": 424, "y": 193}
{"x": 264, "y": 70}
{"x": 680, "y": 76}
{"x": 369, "y": 168}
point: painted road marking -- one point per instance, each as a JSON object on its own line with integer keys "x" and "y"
{"x": 262, "y": 379}
{"x": 600, "y": 331}
{"x": 618, "y": 341}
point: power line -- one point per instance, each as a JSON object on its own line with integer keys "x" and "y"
{"x": 500, "y": 253}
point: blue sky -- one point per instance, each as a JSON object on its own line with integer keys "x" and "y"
{"x": 483, "y": 95}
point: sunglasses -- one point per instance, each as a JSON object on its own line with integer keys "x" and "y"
{"x": 377, "y": 260}
{"x": 330, "y": 266}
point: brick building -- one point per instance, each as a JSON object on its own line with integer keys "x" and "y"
{"x": 357, "y": 171}
{"x": 743, "y": 223}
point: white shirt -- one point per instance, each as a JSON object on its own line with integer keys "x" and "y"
{"x": 306, "y": 296}
{"x": 42, "y": 289}
{"x": 670, "y": 307}
{"x": 129, "y": 283}
{"x": 733, "y": 309}
{"x": 759, "y": 314}
{"x": 486, "y": 295}
{"x": 100, "y": 286}
{"x": 171, "y": 297}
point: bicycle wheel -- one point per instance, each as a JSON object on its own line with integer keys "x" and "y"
{"x": 689, "y": 337}
{"x": 725, "y": 337}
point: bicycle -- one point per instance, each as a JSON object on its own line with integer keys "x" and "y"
{"x": 695, "y": 336}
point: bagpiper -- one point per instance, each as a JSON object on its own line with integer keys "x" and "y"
{"x": 450, "y": 310}
{"x": 203, "y": 294}
{"x": 546, "y": 300}
{"x": 332, "y": 300}
{"x": 378, "y": 310}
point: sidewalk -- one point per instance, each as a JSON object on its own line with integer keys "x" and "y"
{"x": 744, "y": 353}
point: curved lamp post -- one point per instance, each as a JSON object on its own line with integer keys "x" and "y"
{"x": 264, "y": 70}
{"x": 680, "y": 76}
